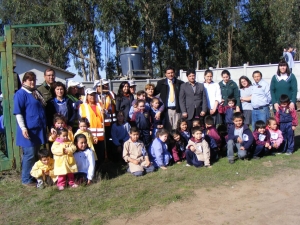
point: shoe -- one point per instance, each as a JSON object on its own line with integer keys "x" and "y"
{"x": 256, "y": 157}
{"x": 278, "y": 153}
{"x": 40, "y": 186}
{"x": 61, "y": 188}
{"x": 231, "y": 161}
{"x": 74, "y": 186}
{"x": 178, "y": 162}
{"x": 187, "y": 164}
{"x": 288, "y": 153}
{"x": 29, "y": 184}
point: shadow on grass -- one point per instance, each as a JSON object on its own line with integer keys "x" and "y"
{"x": 109, "y": 170}
{"x": 297, "y": 142}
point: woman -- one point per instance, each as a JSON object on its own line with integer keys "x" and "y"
{"x": 229, "y": 89}
{"x": 284, "y": 82}
{"x": 31, "y": 124}
{"x": 149, "y": 88}
{"x": 245, "y": 92}
{"x": 92, "y": 110}
{"x": 213, "y": 95}
{"x": 60, "y": 104}
{"x": 124, "y": 99}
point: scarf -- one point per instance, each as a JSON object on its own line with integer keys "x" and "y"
{"x": 35, "y": 94}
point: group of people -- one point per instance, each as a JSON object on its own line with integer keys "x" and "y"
{"x": 151, "y": 128}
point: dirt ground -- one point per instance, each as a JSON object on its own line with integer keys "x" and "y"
{"x": 274, "y": 200}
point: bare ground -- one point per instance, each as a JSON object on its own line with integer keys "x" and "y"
{"x": 274, "y": 200}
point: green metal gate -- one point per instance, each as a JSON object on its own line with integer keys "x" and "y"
{"x": 10, "y": 157}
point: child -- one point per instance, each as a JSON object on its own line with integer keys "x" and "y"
{"x": 85, "y": 160}
{"x": 43, "y": 169}
{"x": 64, "y": 161}
{"x": 240, "y": 138}
{"x": 197, "y": 150}
{"x": 159, "y": 154}
{"x": 143, "y": 122}
{"x": 228, "y": 110}
{"x": 177, "y": 146}
{"x": 59, "y": 122}
{"x": 212, "y": 137}
{"x": 83, "y": 129}
{"x": 287, "y": 120}
{"x": 262, "y": 140}
{"x": 182, "y": 127}
{"x": 119, "y": 134}
{"x": 157, "y": 122}
{"x": 135, "y": 154}
{"x": 141, "y": 95}
{"x": 276, "y": 138}
{"x": 196, "y": 122}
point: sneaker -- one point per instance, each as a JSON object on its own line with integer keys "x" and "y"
{"x": 187, "y": 164}
{"x": 61, "y": 188}
{"x": 288, "y": 153}
{"x": 40, "y": 186}
{"x": 74, "y": 186}
{"x": 29, "y": 184}
{"x": 231, "y": 161}
{"x": 256, "y": 157}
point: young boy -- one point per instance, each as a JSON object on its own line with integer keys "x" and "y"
{"x": 212, "y": 137}
{"x": 262, "y": 140}
{"x": 228, "y": 110}
{"x": 43, "y": 169}
{"x": 240, "y": 138}
{"x": 135, "y": 154}
{"x": 287, "y": 120}
{"x": 197, "y": 151}
{"x": 157, "y": 122}
{"x": 143, "y": 122}
{"x": 141, "y": 95}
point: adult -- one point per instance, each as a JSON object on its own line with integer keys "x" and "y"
{"x": 192, "y": 98}
{"x": 288, "y": 57}
{"x": 45, "y": 88}
{"x": 284, "y": 82}
{"x": 260, "y": 99}
{"x": 92, "y": 110}
{"x": 246, "y": 92}
{"x": 80, "y": 92}
{"x": 229, "y": 89}
{"x": 213, "y": 95}
{"x": 72, "y": 94}
{"x": 168, "y": 89}
{"x": 124, "y": 99}
{"x": 60, "y": 104}
{"x": 31, "y": 124}
{"x": 132, "y": 88}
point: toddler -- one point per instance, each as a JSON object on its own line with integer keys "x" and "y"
{"x": 59, "y": 122}
{"x": 276, "y": 138}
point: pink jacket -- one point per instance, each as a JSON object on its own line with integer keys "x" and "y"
{"x": 276, "y": 137}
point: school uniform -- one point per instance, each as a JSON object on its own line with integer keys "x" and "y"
{"x": 276, "y": 138}
{"x": 143, "y": 123}
{"x": 159, "y": 154}
{"x": 228, "y": 112}
{"x": 178, "y": 149}
{"x": 260, "y": 141}
{"x": 201, "y": 156}
{"x": 37, "y": 172}
{"x": 156, "y": 122}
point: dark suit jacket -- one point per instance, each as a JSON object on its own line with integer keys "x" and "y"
{"x": 162, "y": 88}
{"x": 188, "y": 99}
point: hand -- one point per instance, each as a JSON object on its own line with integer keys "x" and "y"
{"x": 239, "y": 140}
{"x": 135, "y": 109}
{"x": 160, "y": 126}
{"x": 293, "y": 127}
{"x": 69, "y": 127}
{"x": 89, "y": 182}
{"x": 212, "y": 111}
{"x": 192, "y": 148}
{"x": 267, "y": 145}
{"x": 95, "y": 140}
{"x": 184, "y": 115}
{"x": 53, "y": 131}
{"x": 202, "y": 113}
{"x": 237, "y": 109}
{"x": 25, "y": 134}
{"x": 65, "y": 150}
{"x": 163, "y": 167}
{"x": 270, "y": 147}
{"x": 276, "y": 106}
{"x": 46, "y": 172}
{"x": 134, "y": 161}
{"x": 157, "y": 115}
{"x": 275, "y": 145}
{"x": 242, "y": 148}
{"x": 292, "y": 106}
{"x": 148, "y": 163}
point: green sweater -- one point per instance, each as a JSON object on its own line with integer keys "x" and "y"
{"x": 230, "y": 90}
{"x": 288, "y": 87}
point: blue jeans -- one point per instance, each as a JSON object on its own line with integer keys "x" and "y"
{"x": 260, "y": 114}
{"x": 235, "y": 147}
{"x": 28, "y": 160}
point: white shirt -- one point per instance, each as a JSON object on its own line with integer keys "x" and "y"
{"x": 213, "y": 94}
{"x": 85, "y": 161}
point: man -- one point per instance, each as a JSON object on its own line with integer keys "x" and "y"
{"x": 169, "y": 93}
{"x": 288, "y": 56}
{"x": 132, "y": 88}
{"x": 260, "y": 99}
{"x": 192, "y": 99}
{"x": 45, "y": 88}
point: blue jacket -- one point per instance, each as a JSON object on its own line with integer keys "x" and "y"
{"x": 154, "y": 121}
{"x": 247, "y": 136}
{"x": 120, "y": 133}
{"x": 142, "y": 120}
{"x": 159, "y": 154}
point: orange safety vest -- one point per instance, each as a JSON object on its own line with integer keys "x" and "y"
{"x": 96, "y": 120}
{"x": 109, "y": 104}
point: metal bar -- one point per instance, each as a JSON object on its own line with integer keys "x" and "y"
{"x": 36, "y": 25}
{"x": 25, "y": 46}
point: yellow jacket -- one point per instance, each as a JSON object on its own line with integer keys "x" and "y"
{"x": 64, "y": 163}
{"x": 39, "y": 167}
{"x": 90, "y": 139}
{"x": 109, "y": 104}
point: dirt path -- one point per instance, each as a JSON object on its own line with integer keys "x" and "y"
{"x": 273, "y": 201}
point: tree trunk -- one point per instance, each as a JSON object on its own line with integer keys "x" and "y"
{"x": 82, "y": 63}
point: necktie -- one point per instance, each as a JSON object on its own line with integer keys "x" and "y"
{"x": 172, "y": 97}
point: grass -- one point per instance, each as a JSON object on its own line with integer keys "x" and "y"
{"x": 120, "y": 194}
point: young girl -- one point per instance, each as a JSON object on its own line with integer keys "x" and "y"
{"x": 177, "y": 146}
{"x": 64, "y": 161}
{"x": 59, "y": 122}
{"x": 83, "y": 129}
{"x": 228, "y": 110}
{"x": 159, "y": 154}
{"x": 262, "y": 140}
{"x": 276, "y": 138}
{"x": 85, "y": 160}
{"x": 119, "y": 134}
{"x": 182, "y": 127}
{"x": 157, "y": 121}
